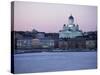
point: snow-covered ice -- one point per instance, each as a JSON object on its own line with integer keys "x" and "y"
{"x": 54, "y": 61}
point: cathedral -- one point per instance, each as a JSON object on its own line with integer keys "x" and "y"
{"x": 70, "y": 30}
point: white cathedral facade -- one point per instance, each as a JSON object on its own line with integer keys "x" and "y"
{"x": 70, "y": 30}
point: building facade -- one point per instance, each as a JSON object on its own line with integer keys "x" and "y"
{"x": 24, "y": 43}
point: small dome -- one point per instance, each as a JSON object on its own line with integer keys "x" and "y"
{"x": 35, "y": 31}
{"x": 71, "y": 17}
{"x": 64, "y": 25}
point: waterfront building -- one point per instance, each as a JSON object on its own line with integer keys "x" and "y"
{"x": 47, "y": 43}
{"x": 24, "y": 43}
{"x": 40, "y": 35}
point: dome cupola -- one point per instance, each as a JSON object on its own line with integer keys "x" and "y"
{"x": 71, "y": 17}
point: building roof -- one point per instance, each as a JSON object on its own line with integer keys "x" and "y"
{"x": 71, "y": 17}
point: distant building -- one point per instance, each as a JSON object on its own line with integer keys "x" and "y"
{"x": 91, "y": 44}
{"x": 71, "y": 30}
{"x": 63, "y": 44}
{"x": 52, "y": 36}
{"x": 74, "y": 43}
{"x": 36, "y": 43}
{"x": 24, "y": 43}
{"x": 47, "y": 43}
{"x": 18, "y": 36}
{"x": 34, "y": 31}
{"x": 40, "y": 35}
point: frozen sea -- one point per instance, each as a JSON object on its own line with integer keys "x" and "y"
{"x": 54, "y": 61}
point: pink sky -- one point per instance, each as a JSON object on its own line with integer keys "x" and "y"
{"x": 47, "y": 17}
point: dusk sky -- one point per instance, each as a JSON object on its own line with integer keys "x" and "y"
{"x": 47, "y": 17}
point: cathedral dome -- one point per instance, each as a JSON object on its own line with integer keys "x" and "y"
{"x": 71, "y": 17}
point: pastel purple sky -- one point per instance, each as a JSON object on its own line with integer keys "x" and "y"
{"x": 47, "y": 17}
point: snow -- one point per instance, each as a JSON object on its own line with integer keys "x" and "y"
{"x": 54, "y": 61}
